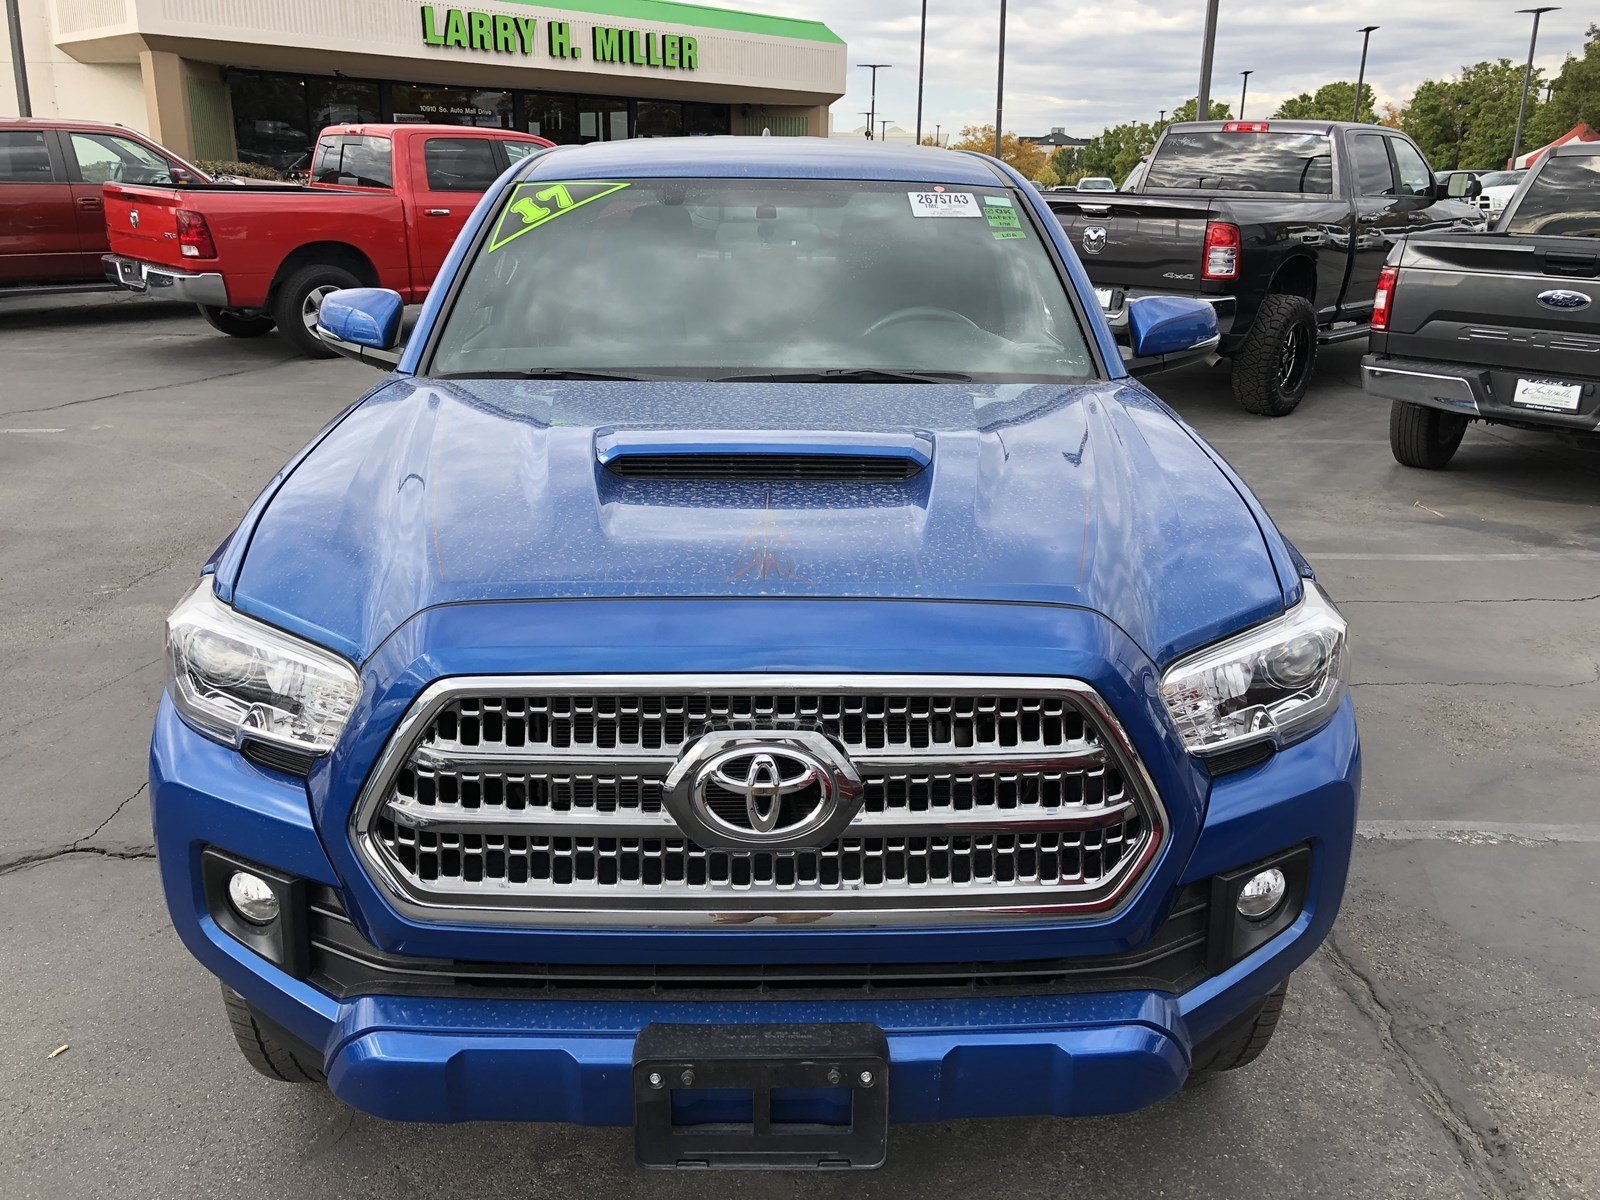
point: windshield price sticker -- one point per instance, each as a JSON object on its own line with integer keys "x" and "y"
{"x": 1003, "y": 218}
{"x": 1548, "y": 394}
{"x": 943, "y": 204}
{"x": 539, "y": 203}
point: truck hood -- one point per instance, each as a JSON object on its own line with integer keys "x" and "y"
{"x": 445, "y": 491}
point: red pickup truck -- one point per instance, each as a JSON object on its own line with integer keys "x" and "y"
{"x": 382, "y": 209}
{"x": 52, "y": 230}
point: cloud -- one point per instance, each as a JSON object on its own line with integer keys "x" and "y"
{"x": 1085, "y": 65}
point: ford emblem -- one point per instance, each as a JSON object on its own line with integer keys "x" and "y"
{"x": 1564, "y": 299}
{"x": 1094, "y": 240}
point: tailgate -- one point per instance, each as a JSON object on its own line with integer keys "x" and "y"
{"x": 142, "y": 223}
{"x": 1526, "y": 304}
{"x": 1129, "y": 241}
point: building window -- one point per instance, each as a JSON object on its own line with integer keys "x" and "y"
{"x": 553, "y": 117}
{"x": 452, "y": 106}
{"x": 705, "y": 120}
{"x": 659, "y": 118}
{"x": 602, "y": 120}
{"x": 270, "y": 123}
{"x": 342, "y": 102}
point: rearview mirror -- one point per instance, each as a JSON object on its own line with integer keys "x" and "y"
{"x": 1463, "y": 187}
{"x": 363, "y": 324}
{"x": 1164, "y": 331}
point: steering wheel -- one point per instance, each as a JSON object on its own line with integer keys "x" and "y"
{"x": 919, "y": 313}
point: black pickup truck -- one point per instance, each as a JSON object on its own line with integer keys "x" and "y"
{"x": 1501, "y": 327}
{"x": 1282, "y": 225}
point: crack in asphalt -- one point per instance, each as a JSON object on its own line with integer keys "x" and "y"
{"x": 1476, "y": 683}
{"x": 76, "y": 846}
{"x": 1507, "y": 600}
{"x": 1487, "y": 1155}
{"x": 160, "y": 387}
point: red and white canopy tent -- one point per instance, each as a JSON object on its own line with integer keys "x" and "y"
{"x": 1578, "y": 133}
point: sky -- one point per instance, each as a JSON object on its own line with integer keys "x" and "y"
{"x": 1084, "y": 66}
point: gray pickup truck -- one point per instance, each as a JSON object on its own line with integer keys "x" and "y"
{"x": 1282, "y": 226}
{"x": 1500, "y": 327}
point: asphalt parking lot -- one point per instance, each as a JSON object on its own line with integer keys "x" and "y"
{"x": 1445, "y": 1043}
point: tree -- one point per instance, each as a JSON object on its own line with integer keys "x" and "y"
{"x": 1330, "y": 102}
{"x": 1187, "y": 110}
{"x": 1574, "y": 100}
{"x": 1393, "y": 116}
{"x": 1115, "y": 151}
{"x": 1047, "y": 178}
{"x": 1024, "y": 156}
{"x": 1469, "y": 121}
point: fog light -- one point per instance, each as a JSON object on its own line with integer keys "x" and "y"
{"x": 253, "y": 899}
{"x": 1259, "y": 897}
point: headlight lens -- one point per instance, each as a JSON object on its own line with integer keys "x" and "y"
{"x": 235, "y": 679}
{"x": 1278, "y": 682}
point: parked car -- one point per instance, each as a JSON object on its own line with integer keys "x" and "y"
{"x": 52, "y": 222}
{"x": 747, "y": 656}
{"x": 383, "y": 206}
{"x": 1096, "y": 183}
{"x": 1242, "y": 214}
{"x": 1496, "y": 190}
{"x": 1502, "y": 327}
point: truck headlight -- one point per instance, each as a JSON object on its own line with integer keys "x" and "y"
{"x": 1277, "y": 682}
{"x": 235, "y": 679}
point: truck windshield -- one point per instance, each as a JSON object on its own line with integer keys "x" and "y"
{"x": 1563, "y": 199}
{"x": 1225, "y": 161}
{"x": 720, "y": 278}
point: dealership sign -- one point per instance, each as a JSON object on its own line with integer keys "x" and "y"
{"x": 467, "y": 29}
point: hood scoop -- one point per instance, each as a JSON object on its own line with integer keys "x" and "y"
{"x": 763, "y": 455}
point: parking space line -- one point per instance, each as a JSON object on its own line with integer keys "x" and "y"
{"x": 32, "y": 430}
{"x": 1516, "y": 556}
{"x": 1476, "y": 832}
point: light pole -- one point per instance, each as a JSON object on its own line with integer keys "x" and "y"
{"x": 937, "y": 129}
{"x": 1208, "y": 49}
{"x": 1243, "y": 91}
{"x": 883, "y": 132}
{"x": 1361, "y": 76}
{"x": 872, "y": 115}
{"x": 1527, "y": 78}
{"x": 1162, "y": 119}
{"x": 922, "y": 62}
{"x": 19, "y": 64}
{"x": 1000, "y": 84}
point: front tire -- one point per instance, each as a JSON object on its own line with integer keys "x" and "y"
{"x": 1273, "y": 368}
{"x": 1242, "y": 1041}
{"x": 267, "y": 1048}
{"x": 1424, "y": 437}
{"x": 295, "y": 304}
{"x": 236, "y": 322}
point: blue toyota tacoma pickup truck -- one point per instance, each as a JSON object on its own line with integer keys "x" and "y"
{"x": 757, "y": 669}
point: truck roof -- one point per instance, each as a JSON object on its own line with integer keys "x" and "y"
{"x": 67, "y": 123}
{"x": 765, "y": 158}
{"x": 1276, "y": 125}
{"x": 389, "y": 129}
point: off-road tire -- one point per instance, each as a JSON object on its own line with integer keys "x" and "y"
{"x": 1241, "y": 1042}
{"x": 1424, "y": 437}
{"x": 290, "y": 299}
{"x": 1274, "y": 367}
{"x": 236, "y": 322}
{"x": 267, "y": 1048}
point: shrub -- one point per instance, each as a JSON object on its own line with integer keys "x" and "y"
{"x": 244, "y": 170}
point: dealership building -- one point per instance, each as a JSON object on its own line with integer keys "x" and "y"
{"x": 255, "y": 80}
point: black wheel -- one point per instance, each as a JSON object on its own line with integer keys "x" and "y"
{"x": 1424, "y": 437}
{"x": 1274, "y": 366}
{"x": 1239, "y": 1043}
{"x": 295, "y": 304}
{"x": 266, "y": 1047}
{"x": 236, "y": 322}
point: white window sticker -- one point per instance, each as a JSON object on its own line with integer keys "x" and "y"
{"x": 944, "y": 204}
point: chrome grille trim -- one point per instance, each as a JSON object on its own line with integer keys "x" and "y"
{"x": 948, "y": 832}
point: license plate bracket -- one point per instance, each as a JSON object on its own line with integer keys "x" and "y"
{"x": 1547, "y": 395}
{"x": 672, "y": 1062}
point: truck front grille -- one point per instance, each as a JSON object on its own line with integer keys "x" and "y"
{"x": 542, "y": 801}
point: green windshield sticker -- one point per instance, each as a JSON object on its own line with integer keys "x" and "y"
{"x": 539, "y": 203}
{"x": 1003, "y": 218}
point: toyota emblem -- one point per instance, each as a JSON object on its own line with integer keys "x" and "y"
{"x": 763, "y": 789}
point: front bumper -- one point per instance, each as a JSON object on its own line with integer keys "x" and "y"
{"x": 1479, "y": 392}
{"x": 134, "y": 275}
{"x": 454, "y": 1059}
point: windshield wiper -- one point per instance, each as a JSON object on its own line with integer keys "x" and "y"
{"x": 849, "y": 375}
{"x": 553, "y": 373}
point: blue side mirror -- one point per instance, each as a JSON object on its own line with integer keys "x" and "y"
{"x": 362, "y": 323}
{"x": 1159, "y": 326}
